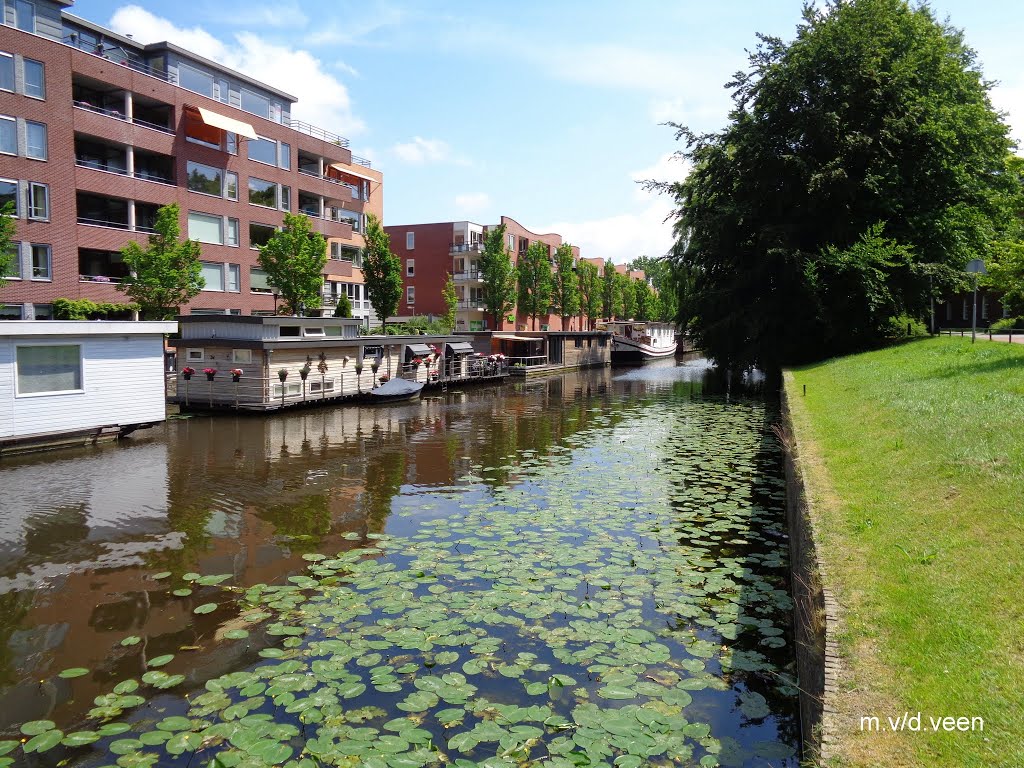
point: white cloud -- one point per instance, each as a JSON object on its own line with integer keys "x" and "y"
{"x": 357, "y": 26}
{"x": 624, "y": 236}
{"x": 422, "y": 151}
{"x": 323, "y": 100}
{"x": 668, "y": 168}
{"x": 278, "y": 15}
{"x": 1008, "y": 97}
{"x": 474, "y": 202}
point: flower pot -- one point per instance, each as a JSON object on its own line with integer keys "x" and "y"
{"x": 186, "y": 376}
{"x": 303, "y": 374}
{"x": 209, "y": 376}
{"x": 235, "y": 377}
{"x": 282, "y": 375}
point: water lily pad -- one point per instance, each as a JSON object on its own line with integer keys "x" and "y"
{"x": 160, "y": 661}
{"x": 205, "y": 608}
{"x": 35, "y": 727}
{"x": 43, "y": 742}
{"x": 131, "y": 640}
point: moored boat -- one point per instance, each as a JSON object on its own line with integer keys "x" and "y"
{"x": 396, "y": 390}
{"x": 636, "y": 343}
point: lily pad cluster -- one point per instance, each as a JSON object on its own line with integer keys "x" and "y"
{"x": 622, "y": 602}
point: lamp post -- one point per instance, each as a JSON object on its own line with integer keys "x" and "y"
{"x": 275, "y": 293}
{"x": 975, "y": 267}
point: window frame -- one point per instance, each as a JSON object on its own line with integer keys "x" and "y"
{"x": 188, "y": 218}
{"x": 14, "y": 122}
{"x": 410, "y": 295}
{"x": 189, "y": 165}
{"x": 256, "y": 143}
{"x": 46, "y": 140}
{"x": 48, "y": 393}
{"x": 49, "y": 262}
{"x": 410, "y": 267}
{"x": 270, "y": 185}
{"x": 32, "y": 185}
{"x": 19, "y": 5}
{"x": 243, "y": 356}
{"x": 410, "y": 241}
{"x": 195, "y": 354}
{"x": 24, "y": 78}
{"x": 5, "y": 56}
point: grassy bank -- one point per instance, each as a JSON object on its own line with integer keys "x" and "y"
{"x": 915, "y": 457}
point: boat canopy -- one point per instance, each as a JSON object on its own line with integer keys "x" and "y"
{"x": 460, "y": 348}
{"x": 417, "y": 350}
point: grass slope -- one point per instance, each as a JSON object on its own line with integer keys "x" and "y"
{"x": 915, "y": 455}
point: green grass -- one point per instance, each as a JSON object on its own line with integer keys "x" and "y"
{"x": 916, "y": 462}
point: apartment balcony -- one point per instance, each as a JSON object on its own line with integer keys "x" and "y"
{"x": 455, "y": 248}
{"x": 472, "y": 276}
{"x": 472, "y": 304}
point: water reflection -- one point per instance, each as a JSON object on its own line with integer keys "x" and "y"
{"x": 83, "y": 532}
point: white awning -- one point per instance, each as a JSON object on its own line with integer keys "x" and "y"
{"x": 227, "y": 123}
{"x": 347, "y": 169}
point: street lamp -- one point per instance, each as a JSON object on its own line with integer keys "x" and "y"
{"x": 275, "y": 293}
{"x": 975, "y": 267}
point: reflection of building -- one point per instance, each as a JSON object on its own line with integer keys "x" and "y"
{"x": 98, "y": 131}
{"x": 431, "y": 252}
{"x": 75, "y": 382}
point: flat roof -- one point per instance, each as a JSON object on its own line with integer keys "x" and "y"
{"x": 10, "y": 328}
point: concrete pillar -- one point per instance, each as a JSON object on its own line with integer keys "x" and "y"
{"x": 129, "y": 160}
{"x": 129, "y": 106}
{"x": 131, "y": 215}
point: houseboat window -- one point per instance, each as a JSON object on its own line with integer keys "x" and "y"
{"x": 333, "y": 330}
{"x": 313, "y": 332}
{"x": 373, "y": 353}
{"x": 603, "y": 341}
{"x": 49, "y": 368}
{"x": 286, "y": 389}
{"x": 195, "y": 354}
{"x": 241, "y": 355}
{"x": 578, "y": 342}
{"x": 290, "y": 330}
{"x": 327, "y": 385}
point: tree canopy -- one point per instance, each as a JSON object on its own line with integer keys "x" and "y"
{"x": 611, "y": 292}
{"x": 499, "y": 276}
{"x": 382, "y": 270}
{"x": 166, "y": 274}
{"x": 565, "y": 289}
{"x": 451, "y": 304}
{"x": 294, "y": 260}
{"x": 857, "y": 153}
{"x": 535, "y": 281}
{"x": 590, "y": 291}
{"x": 7, "y": 253}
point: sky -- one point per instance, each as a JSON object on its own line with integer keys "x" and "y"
{"x": 547, "y": 112}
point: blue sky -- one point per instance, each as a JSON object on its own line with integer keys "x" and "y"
{"x": 547, "y": 112}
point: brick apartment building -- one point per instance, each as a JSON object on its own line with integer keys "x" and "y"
{"x": 431, "y": 252}
{"x": 97, "y": 132}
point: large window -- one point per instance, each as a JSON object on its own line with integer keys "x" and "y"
{"x": 50, "y": 368}
{"x": 221, "y": 277}
{"x": 263, "y": 151}
{"x": 206, "y": 228}
{"x": 38, "y": 201}
{"x": 253, "y": 102}
{"x": 35, "y": 133}
{"x": 6, "y": 72}
{"x": 8, "y": 135}
{"x": 258, "y": 282}
{"x": 231, "y": 186}
{"x": 14, "y": 262}
{"x": 262, "y": 192}
{"x": 410, "y": 294}
{"x": 260, "y": 234}
{"x": 25, "y": 15}
{"x": 41, "y": 259}
{"x": 285, "y": 156}
{"x": 9, "y": 193}
{"x": 195, "y": 80}
{"x": 35, "y": 79}
{"x": 232, "y": 238}
{"x": 205, "y": 179}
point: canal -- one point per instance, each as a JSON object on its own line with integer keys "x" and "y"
{"x": 585, "y": 570}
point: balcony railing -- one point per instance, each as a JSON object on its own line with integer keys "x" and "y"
{"x": 106, "y": 168}
{"x": 473, "y": 274}
{"x": 466, "y": 248}
{"x": 317, "y": 133}
{"x": 118, "y": 115}
{"x": 98, "y": 279}
{"x": 471, "y": 304}
{"x": 90, "y": 48}
{"x": 112, "y": 224}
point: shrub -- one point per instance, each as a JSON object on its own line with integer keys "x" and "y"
{"x": 904, "y": 326}
{"x": 84, "y": 309}
{"x": 1007, "y": 324}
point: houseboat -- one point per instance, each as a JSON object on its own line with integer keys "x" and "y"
{"x": 636, "y": 343}
{"x": 270, "y": 362}
{"x": 75, "y": 382}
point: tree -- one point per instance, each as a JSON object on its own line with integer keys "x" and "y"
{"x": 590, "y": 291}
{"x": 499, "y": 276}
{"x": 535, "y": 281}
{"x": 294, "y": 260}
{"x": 611, "y": 295}
{"x": 7, "y": 253}
{"x": 857, "y": 152}
{"x": 565, "y": 289}
{"x": 627, "y": 297}
{"x": 344, "y": 307}
{"x": 166, "y": 274}
{"x": 382, "y": 270}
{"x": 451, "y": 303}
{"x": 643, "y": 300}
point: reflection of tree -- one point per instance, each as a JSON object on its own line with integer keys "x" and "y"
{"x": 310, "y": 516}
{"x": 385, "y": 473}
{"x": 13, "y": 608}
{"x": 48, "y": 534}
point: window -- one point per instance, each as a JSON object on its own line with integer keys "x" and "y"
{"x": 260, "y": 234}
{"x": 194, "y": 355}
{"x": 262, "y": 193}
{"x": 232, "y": 238}
{"x": 410, "y": 267}
{"x": 205, "y": 228}
{"x": 199, "y": 132}
{"x": 14, "y": 262}
{"x": 9, "y": 193}
{"x": 205, "y": 179}
{"x": 42, "y": 311}
{"x": 25, "y": 15}
{"x": 285, "y": 156}
{"x": 8, "y": 135}
{"x": 326, "y": 385}
{"x": 965, "y": 309}
{"x": 286, "y": 198}
{"x": 51, "y": 369}
{"x": 286, "y": 389}
{"x": 6, "y": 72}
{"x": 511, "y": 242}
{"x": 35, "y": 79}
{"x": 41, "y": 262}
{"x": 263, "y": 151}
{"x": 35, "y": 134}
{"x": 410, "y": 240}
{"x": 231, "y": 186}
{"x": 38, "y": 201}
{"x": 984, "y": 307}
{"x": 213, "y": 274}
{"x": 578, "y": 343}
{"x": 256, "y": 104}
{"x": 231, "y": 142}
{"x": 234, "y": 277}
{"x": 241, "y": 355}
{"x": 258, "y": 282}
{"x": 195, "y": 80}
{"x": 410, "y": 294}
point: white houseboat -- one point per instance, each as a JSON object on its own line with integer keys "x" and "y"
{"x": 636, "y": 343}
{"x": 72, "y": 382}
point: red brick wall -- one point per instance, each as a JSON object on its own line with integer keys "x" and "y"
{"x": 432, "y": 253}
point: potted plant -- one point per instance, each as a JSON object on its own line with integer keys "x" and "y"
{"x": 384, "y": 377}
{"x": 304, "y": 371}
{"x": 187, "y": 372}
{"x": 417, "y": 362}
{"x": 375, "y": 365}
{"x": 236, "y": 374}
{"x": 282, "y": 374}
{"x": 210, "y": 373}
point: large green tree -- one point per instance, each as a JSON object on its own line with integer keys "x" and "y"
{"x": 535, "y": 281}
{"x": 855, "y": 153}
{"x": 590, "y": 291}
{"x": 294, "y": 260}
{"x": 7, "y": 253}
{"x": 166, "y": 274}
{"x": 627, "y": 297}
{"x": 565, "y": 288}
{"x": 451, "y": 303}
{"x": 382, "y": 271}
{"x": 611, "y": 293}
{"x": 499, "y": 276}
{"x": 643, "y": 300}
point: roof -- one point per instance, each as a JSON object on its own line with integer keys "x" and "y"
{"x": 86, "y": 328}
